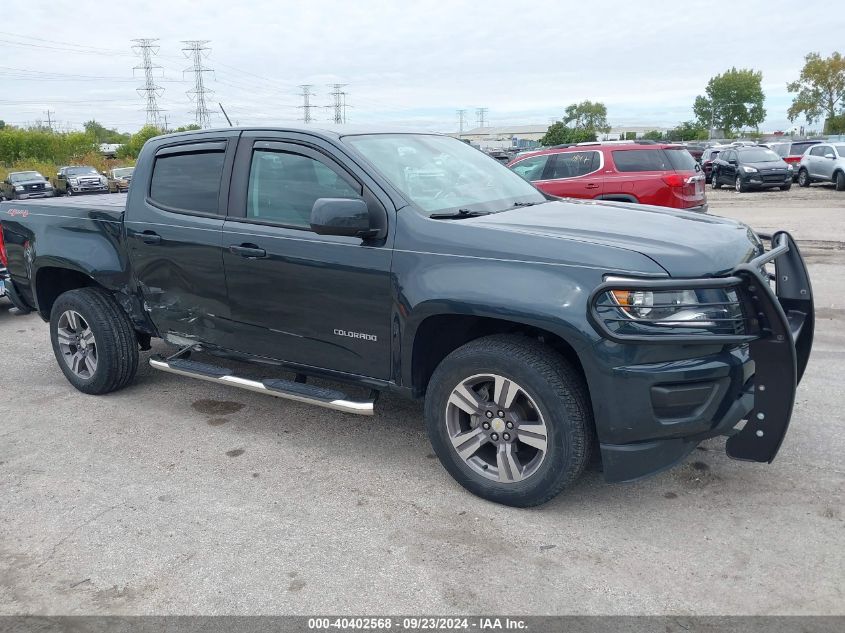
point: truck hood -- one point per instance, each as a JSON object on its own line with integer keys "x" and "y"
{"x": 683, "y": 244}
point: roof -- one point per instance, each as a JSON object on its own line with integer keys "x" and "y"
{"x": 327, "y": 131}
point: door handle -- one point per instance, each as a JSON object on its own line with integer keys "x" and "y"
{"x": 592, "y": 185}
{"x": 250, "y": 251}
{"x": 148, "y": 237}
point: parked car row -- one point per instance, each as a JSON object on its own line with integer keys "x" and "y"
{"x": 70, "y": 180}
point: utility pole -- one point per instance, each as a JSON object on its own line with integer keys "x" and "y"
{"x": 147, "y": 48}
{"x": 481, "y": 114}
{"x": 197, "y": 50}
{"x": 50, "y": 119}
{"x": 307, "y": 106}
{"x": 461, "y": 115}
{"x": 339, "y": 103}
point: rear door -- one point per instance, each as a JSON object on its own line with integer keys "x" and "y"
{"x": 637, "y": 173}
{"x": 174, "y": 233}
{"x": 574, "y": 175}
{"x": 307, "y": 299}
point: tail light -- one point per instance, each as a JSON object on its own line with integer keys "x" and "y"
{"x": 674, "y": 180}
{"x": 792, "y": 159}
{"x": 3, "y": 259}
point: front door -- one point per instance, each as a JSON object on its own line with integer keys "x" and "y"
{"x": 174, "y": 233}
{"x": 306, "y": 299}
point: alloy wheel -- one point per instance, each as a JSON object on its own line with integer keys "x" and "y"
{"x": 77, "y": 344}
{"x": 496, "y": 428}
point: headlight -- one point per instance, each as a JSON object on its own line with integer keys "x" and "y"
{"x": 47, "y": 185}
{"x": 642, "y": 311}
{"x": 73, "y": 181}
{"x": 748, "y": 170}
{"x": 18, "y": 188}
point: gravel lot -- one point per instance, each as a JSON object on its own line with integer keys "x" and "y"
{"x": 177, "y": 496}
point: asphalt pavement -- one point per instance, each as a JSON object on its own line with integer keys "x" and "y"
{"x": 177, "y": 496}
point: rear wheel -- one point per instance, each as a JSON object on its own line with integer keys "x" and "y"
{"x": 739, "y": 185}
{"x": 803, "y": 178}
{"x": 509, "y": 419}
{"x": 714, "y": 181}
{"x": 93, "y": 341}
{"x": 840, "y": 181}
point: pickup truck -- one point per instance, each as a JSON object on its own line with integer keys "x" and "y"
{"x": 537, "y": 330}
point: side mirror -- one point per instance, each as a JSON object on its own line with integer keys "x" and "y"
{"x": 342, "y": 216}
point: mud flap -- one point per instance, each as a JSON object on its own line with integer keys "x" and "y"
{"x": 780, "y": 356}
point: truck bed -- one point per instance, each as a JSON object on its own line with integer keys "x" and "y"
{"x": 111, "y": 203}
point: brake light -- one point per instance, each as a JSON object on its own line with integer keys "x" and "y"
{"x": 792, "y": 159}
{"x": 3, "y": 259}
{"x": 674, "y": 180}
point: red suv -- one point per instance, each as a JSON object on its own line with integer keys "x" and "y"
{"x": 663, "y": 175}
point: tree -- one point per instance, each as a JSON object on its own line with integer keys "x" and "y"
{"x": 559, "y": 134}
{"x": 2, "y": 124}
{"x": 133, "y": 146}
{"x": 587, "y": 116}
{"x": 103, "y": 134}
{"x": 820, "y": 88}
{"x": 188, "y": 128}
{"x": 688, "y": 131}
{"x": 653, "y": 135}
{"x": 733, "y": 100}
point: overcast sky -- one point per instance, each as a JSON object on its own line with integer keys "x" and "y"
{"x": 405, "y": 63}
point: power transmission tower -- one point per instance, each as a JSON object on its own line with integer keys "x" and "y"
{"x": 339, "y": 103}
{"x": 197, "y": 50}
{"x": 49, "y": 119}
{"x": 481, "y": 114}
{"x": 147, "y": 48}
{"x": 307, "y": 106}
{"x": 461, "y": 118}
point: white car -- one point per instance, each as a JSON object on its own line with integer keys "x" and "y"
{"x": 824, "y": 162}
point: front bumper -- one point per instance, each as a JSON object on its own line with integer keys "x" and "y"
{"x": 758, "y": 181}
{"x": 671, "y": 406}
{"x": 28, "y": 195}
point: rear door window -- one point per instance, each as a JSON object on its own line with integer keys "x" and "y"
{"x": 641, "y": 160}
{"x": 531, "y": 168}
{"x": 574, "y": 164}
{"x": 188, "y": 182}
{"x": 681, "y": 159}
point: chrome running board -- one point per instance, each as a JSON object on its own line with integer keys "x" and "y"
{"x": 288, "y": 389}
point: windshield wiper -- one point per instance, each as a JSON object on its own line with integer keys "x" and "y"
{"x": 526, "y": 204}
{"x": 460, "y": 213}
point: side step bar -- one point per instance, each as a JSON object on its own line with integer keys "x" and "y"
{"x": 300, "y": 392}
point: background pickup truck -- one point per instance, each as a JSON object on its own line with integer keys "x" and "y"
{"x": 532, "y": 327}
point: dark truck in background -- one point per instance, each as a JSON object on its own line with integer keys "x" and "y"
{"x": 533, "y": 327}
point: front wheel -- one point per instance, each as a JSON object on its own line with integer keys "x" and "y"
{"x": 509, "y": 419}
{"x": 93, "y": 341}
{"x": 739, "y": 185}
{"x": 786, "y": 187}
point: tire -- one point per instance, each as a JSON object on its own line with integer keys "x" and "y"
{"x": 786, "y": 187}
{"x": 68, "y": 191}
{"x": 113, "y": 346}
{"x": 803, "y": 178}
{"x": 739, "y": 185}
{"x": 714, "y": 181}
{"x": 551, "y": 395}
{"x": 840, "y": 181}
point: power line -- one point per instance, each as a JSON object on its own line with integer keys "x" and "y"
{"x": 461, "y": 115}
{"x": 339, "y": 103}
{"x": 481, "y": 115}
{"x": 307, "y": 106}
{"x": 197, "y": 50}
{"x": 146, "y": 48}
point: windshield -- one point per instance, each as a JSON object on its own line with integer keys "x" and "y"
{"x": 123, "y": 172}
{"x": 439, "y": 173}
{"x": 759, "y": 155}
{"x": 76, "y": 171}
{"x": 25, "y": 175}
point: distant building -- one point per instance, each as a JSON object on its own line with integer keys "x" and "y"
{"x": 505, "y": 137}
{"x": 628, "y": 133}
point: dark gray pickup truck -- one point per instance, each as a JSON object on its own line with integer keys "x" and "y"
{"x": 534, "y": 328}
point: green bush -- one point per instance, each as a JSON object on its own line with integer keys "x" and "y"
{"x": 43, "y": 145}
{"x": 132, "y": 148}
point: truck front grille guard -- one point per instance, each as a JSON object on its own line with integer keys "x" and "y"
{"x": 778, "y": 324}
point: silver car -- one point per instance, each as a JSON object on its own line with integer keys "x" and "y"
{"x": 824, "y": 162}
